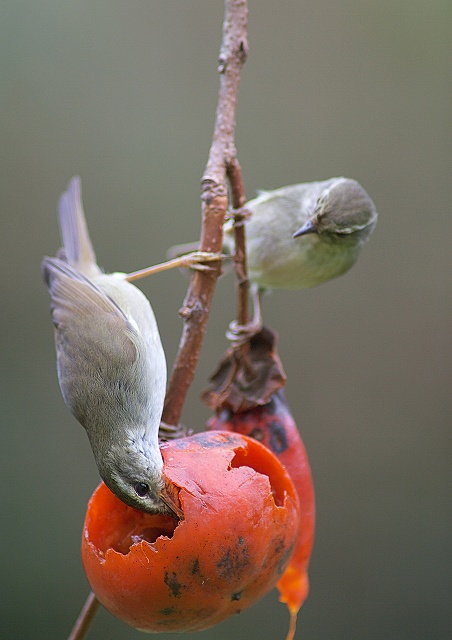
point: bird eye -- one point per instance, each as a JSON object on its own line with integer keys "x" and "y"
{"x": 141, "y": 489}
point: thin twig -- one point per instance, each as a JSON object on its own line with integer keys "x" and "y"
{"x": 85, "y": 618}
{"x": 234, "y": 173}
{"x": 196, "y": 308}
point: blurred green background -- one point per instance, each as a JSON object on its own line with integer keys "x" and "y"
{"x": 124, "y": 94}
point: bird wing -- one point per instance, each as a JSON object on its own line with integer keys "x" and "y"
{"x": 87, "y": 321}
{"x": 72, "y": 292}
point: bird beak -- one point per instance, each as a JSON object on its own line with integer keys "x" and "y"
{"x": 170, "y": 501}
{"x": 308, "y": 227}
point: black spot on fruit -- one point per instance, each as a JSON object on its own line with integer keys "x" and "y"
{"x": 278, "y": 437}
{"x": 173, "y": 584}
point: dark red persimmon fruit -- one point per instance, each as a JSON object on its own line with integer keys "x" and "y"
{"x": 240, "y": 526}
{"x": 273, "y": 425}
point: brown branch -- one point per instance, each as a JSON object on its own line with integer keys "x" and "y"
{"x": 214, "y": 195}
{"x": 85, "y": 618}
{"x": 234, "y": 173}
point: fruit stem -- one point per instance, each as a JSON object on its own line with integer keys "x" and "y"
{"x": 85, "y": 618}
{"x": 292, "y": 626}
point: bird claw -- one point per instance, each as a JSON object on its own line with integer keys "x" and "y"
{"x": 238, "y": 216}
{"x": 196, "y": 260}
{"x": 173, "y": 432}
{"x": 239, "y": 334}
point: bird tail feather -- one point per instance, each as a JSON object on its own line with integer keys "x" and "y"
{"x": 78, "y": 250}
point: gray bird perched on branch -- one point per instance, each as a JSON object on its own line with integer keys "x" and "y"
{"x": 301, "y": 235}
{"x": 111, "y": 364}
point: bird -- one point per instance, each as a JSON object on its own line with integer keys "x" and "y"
{"x": 111, "y": 364}
{"x": 301, "y": 235}
{"x": 297, "y": 237}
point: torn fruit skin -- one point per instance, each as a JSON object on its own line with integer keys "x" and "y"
{"x": 274, "y": 426}
{"x": 240, "y": 526}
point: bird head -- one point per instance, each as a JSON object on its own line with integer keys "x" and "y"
{"x": 136, "y": 477}
{"x": 342, "y": 210}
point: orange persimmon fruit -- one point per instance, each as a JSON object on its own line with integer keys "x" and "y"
{"x": 240, "y": 526}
